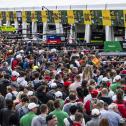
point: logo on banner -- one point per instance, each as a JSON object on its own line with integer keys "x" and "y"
{"x": 33, "y": 16}
{"x": 106, "y": 18}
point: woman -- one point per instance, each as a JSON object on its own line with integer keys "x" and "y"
{"x": 104, "y": 122}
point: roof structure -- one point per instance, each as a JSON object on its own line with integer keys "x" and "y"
{"x": 7, "y": 5}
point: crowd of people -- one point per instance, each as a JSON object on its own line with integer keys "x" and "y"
{"x": 50, "y": 87}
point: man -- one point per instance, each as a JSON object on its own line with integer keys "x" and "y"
{"x": 61, "y": 115}
{"x": 26, "y": 120}
{"x": 117, "y": 83}
{"x": 41, "y": 119}
{"x": 95, "y": 118}
{"x": 105, "y": 97}
{"x": 112, "y": 114}
{"x": 76, "y": 83}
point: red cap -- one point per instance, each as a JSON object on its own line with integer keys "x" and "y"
{"x": 13, "y": 78}
{"x": 94, "y": 93}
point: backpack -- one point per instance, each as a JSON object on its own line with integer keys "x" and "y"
{"x": 13, "y": 96}
{"x": 36, "y": 85}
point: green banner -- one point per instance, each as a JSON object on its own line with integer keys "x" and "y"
{"x": 64, "y": 17}
{"x": 96, "y": 17}
{"x": 112, "y": 46}
{"x": 117, "y": 18}
{"x": 79, "y": 18}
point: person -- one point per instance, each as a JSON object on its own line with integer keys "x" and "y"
{"x": 26, "y": 120}
{"x": 61, "y": 115}
{"x": 104, "y": 122}
{"x": 8, "y": 116}
{"x": 71, "y": 120}
{"x": 51, "y": 120}
{"x": 24, "y": 108}
{"x": 41, "y": 119}
{"x": 116, "y": 83}
{"x": 95, "y": 118}
{"x": 104, "y": 96}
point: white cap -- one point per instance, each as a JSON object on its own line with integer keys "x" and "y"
{"x": 19, "y": 57}
{"x": 58, "y": 94}
{"x": 32, "y": 105}
{"x": 53, "y": 50}
{"x": 21, "y": 51}
{"x": 95, "y": 112}
{"x": 105, "y": 79}
{"x": 125, "y": 63}
{"x": 53, "y": 85}
{"x": 15, "y": 73}
{"x": 30, "y": 93}
{"x": 117, "y": 77}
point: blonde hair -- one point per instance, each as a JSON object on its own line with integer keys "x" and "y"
{"x": 87, "y": 73}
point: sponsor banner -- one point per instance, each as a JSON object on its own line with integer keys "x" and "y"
{"x": 57, "y": 16}
{"x": 15, "y": 16}
{"x": 33, "y": 16}
{"x": 7, "y": 16}
{"x": 24, "y": 18}
{"x": 44, "y": 16}
{"x": 1, "y": 15}
{"x": 112, "y": 46}
{"x": 79, "y": 17}
{"x": 87, "y": 17}
{"x": 70, "y": 17}
{"x": 124, "y": 14}
{"x": 106, "y": 18}
{"x": 7, "y": 28}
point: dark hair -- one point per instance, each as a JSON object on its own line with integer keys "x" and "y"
{"x": 25, "y": 99}
{"x": 9, "y": 103}
{"x": 57, "y": 104}
{"x": 84, "y": 83}
{"x": 43, "y": 108}
{"x": 73, "y": 109}
{"x": 50, "y": 105}
{"x": 33, "y": 99}
{"x": 119, "y": 94}
{"x": 72, "y": 96}
{"x": 36, "y": 74}
{"x": 78, "y": 116}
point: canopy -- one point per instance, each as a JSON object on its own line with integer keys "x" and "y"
{"x": 62, "y": 4}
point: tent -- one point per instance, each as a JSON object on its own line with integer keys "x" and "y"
{"x": 8, "y": 5}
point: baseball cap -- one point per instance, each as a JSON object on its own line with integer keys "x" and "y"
{"x": 105, "y": 79}
{"x": 117, "y": 77}
{"x": 30, "y": 93}
{"x": 58, "y": 94}
{"x": 32, "y": 105}
{"x": 95, "y": 112}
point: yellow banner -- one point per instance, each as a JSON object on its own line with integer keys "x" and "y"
{"x": 24, "y": 16}
{"x": 33, "y": 16}
{"x": 15, "y": 16}
{"x": 70, "y": 16}
{"x": 57, "y": 16}
{"x": 1, "y": 17}
{"x": 7, "y": 28}
{"x": 87, "y": 17}
{"x": 7, "y": 16}
{"x": 44, "y": 16}
{"x": 106, "y": 18}
{"x": 124, "y": 15}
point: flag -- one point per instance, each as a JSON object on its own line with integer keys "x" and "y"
{"x": 70, "y": 16}
{"x": 106, "y": 18}
{"x": 96, "y": 62}
{"x": 44, "y": 16}
{"x": 87, "y": 17}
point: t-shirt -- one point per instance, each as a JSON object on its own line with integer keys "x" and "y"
{"x": 61, "y": 115}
